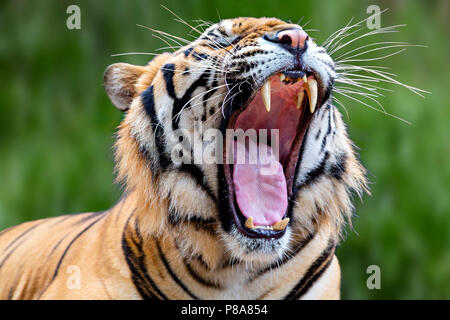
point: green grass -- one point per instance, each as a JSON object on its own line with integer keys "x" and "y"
{"x": 57, "y": 125}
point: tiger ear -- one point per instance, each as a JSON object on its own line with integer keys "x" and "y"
{"x": 119, "y": 81}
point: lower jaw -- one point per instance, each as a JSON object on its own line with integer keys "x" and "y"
{"x": 229, "y": 205}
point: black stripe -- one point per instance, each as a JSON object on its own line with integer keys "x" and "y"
{"x": 294, "y": 252}
{"x": 56, "y": 246}
{"x": 200, "y": 279}
{"x": 158, "y": 130}
{"x": 18, "y": 243}
{"x": 199, "y": 56}
{"x": 139, "y": 274}
{"x": 183, "y": 102}
{"x": 324, "y": 142}
{"x": 172, "y": 273}
{"x": 136, "y": 276}
{"x": 337, "y": 169}
{"x": 65, "y": 252}
{"x": 168, "y": 71}
{"x": 329, "y": 87}
{"x": 9, "y": 254}
{"x": 199, "y": 177}
{"x": 312, "y": 275}
{"x": 195, "y": 256}
{"x": 330, "y": 114}
{"x": 313, "y": 280}
{"x": 314, "y": 174}
{"x": 199, "y": 223}
{"x": 94, "y": 214}
{"x": 139, "y": 280}
{"x": 188, "y": 51}
{"x": 61, "y": 219}
{"x": 87, "y": 216}
{"x": 229, "y": 263}
{"x": 209, "y": 94}
{"x": 199, "y": 258}
{"x": 318, "y": 134}
{"x": 71, "y": 243}
{"x": 296, "y": 187}
{"x": 13, "y": 287}
{"x": 22, "y": 235}
{"x": 149, "y": 104}
{"x": 325, "y": 137}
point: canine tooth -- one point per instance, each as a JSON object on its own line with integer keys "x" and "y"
{"x": 282, "y": 77}
{"x": 300, "y": 96}
{"x": 249, "y": 223}
{"x": 311, "y": 89}
{"x": 265, "y": 92}
{"x": 280, "y": 225}
{"x": 305, "y": 79}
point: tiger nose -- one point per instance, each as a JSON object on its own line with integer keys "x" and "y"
{"x": 296, "y": 38}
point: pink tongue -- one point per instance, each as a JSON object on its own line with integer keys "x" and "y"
{"x": 259, "y": 184}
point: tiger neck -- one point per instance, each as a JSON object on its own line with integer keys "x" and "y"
{"x": 161, "y": 261}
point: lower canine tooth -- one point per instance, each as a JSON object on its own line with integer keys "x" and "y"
{"x": 280, "y": 225}
{"x": 305, "y": 79}
{"x": 282, "y": 77}
{"x": 249, "y": 223}
{"x": 300, "y": 96}
{"x": 265, "y": 92}
{"x": 311, "y": 89}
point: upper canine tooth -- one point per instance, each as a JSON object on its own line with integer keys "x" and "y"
{"x": 249, "y": 223}
{"x": 311, "y": 89}
{"x": 265, "y": 92}
{"x": 280, "y": 225}
{"x": 300, "y": 96}
{"x": 282, "y": 77}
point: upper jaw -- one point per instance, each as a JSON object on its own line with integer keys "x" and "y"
{"x": 255, "y": 85}
{"x": 308, "y": 86}
{"x": 304, "y": 74}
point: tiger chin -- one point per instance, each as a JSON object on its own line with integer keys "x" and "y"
{"x": 187, "y": 229}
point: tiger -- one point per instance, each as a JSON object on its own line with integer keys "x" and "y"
{"x": 187, "y": 228}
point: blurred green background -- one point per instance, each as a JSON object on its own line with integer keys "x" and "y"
{"x": 57, "y": 125}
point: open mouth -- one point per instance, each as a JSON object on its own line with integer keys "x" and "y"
{"x": 259, "y": 192}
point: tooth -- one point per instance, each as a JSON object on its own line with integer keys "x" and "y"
{"x": 249, "y": 223}
{"x": 280, "y": 225}
{"x": 305, "y": 79}
{"x": 265, "y": 92}
{"x": 282, "y": 77}
{"x": 300, "y": 96}
{"x": 311, "y": 89}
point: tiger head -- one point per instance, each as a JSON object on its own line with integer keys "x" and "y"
{"x": 186, "y": 112}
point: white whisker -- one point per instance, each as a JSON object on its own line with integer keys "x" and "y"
{"x": 342, "y": 105}
{"x": 375, "y": 59}
{"x": 373, "y": 108}
{"x": 134, "y": 53}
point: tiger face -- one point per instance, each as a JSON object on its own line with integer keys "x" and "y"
{"x": 241, "y": 76}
